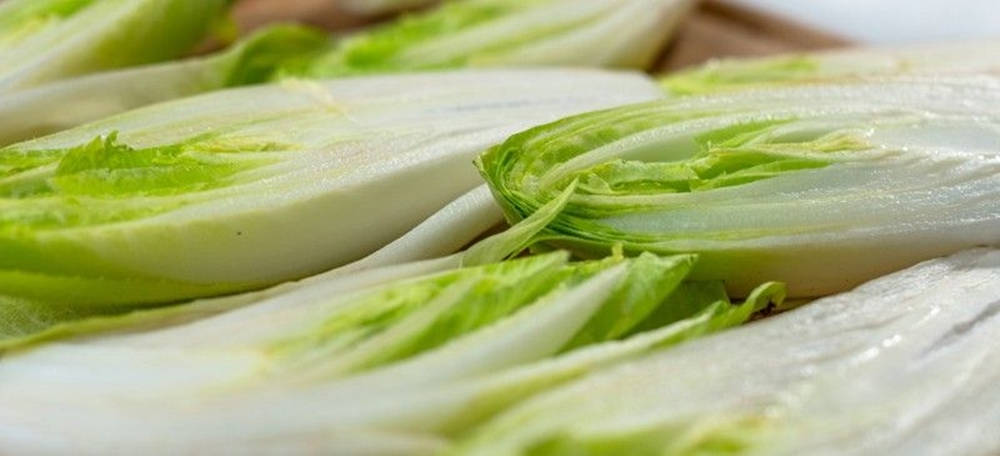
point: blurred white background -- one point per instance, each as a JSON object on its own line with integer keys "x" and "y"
{"x": 892, "y": 21}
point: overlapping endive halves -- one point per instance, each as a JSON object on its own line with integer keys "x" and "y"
{"x": 249, "y": 187}
{"x": 47, "y": 40}
{"x": 747, "y": 73}
{"x": 905, "y": 365}
{"x": 819, "y": 186}
{"x": 396, "y": 353}
{"x": 469, "y": 33}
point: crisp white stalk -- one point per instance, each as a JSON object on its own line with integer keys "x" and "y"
{"x": 448, "y": 230}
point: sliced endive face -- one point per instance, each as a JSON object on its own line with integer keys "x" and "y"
{"x": 367, "y": 350}
{"x": 740, "y": 74}
{"x": 249, "y": 187}
{"x": 43, "y": 109}
{"x": 508, "y": 32}
{"x": 798, "y": 184}
{"x": 47, "y": 40}
{"x": 886, "y": 369}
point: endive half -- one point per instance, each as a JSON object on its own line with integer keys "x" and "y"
{"x": 426, "y": 249}
{"x": 477, "y": 33}
{"x": 820, "y": 186}
{"x": 469, "y": 33}
{"x": 453, "y": 345}
{"x": 249, "y": 187}
{"x": 47, "y": 40}
{"x": 70, "y": 102}
{"x": 748, "y": 73}
{"x": 904, "y": 365}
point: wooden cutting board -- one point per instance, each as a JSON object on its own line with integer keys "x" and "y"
{"x": 715, "y": 29}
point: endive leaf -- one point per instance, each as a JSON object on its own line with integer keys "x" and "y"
{"x": 796, "y": 184}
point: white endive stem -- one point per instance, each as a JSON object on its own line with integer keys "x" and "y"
{"x": 448, "y": 230}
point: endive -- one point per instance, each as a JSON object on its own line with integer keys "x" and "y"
{"x": 747, "y": 73}
{"x": 360, "y": 346}
{"x": 905, "y": 365}
{"x": 820, "y": 186}
{"x": 249, "y": 187}
{"x": 43, "y": 109}
{"x": 47, "y": 40}
{"x": 626, "y": 33}
{"x": 468, "y": 33}
{"x": 428, "y": 248}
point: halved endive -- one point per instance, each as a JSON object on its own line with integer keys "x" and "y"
{"x": 747, "y": 73}
{"x": 477, "y": 33}
{"x": 249, "y": 187}
{"x": 468, "y": 33}
{"x": 904, "y": 365}
{"x": 46, "y": 40}
{"x": 350, "y": 364}
{"x": 67, "y": 103}
{"x": 820, "y": 186}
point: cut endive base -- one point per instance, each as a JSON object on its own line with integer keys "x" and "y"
{"x": 821, "y": 186}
